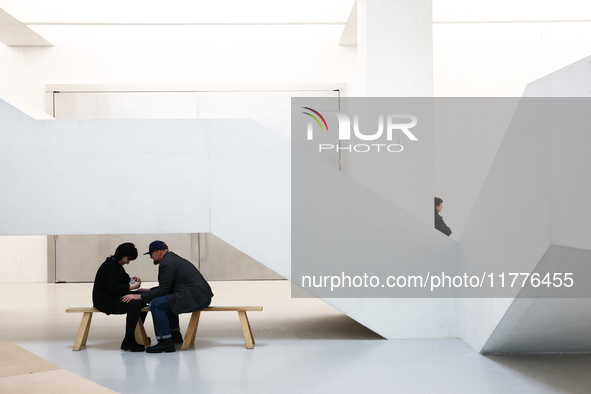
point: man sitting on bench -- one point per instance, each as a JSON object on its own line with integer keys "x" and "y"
{"x": 181, "y": 289}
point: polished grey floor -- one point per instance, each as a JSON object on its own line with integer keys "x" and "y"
{"x": 302, "y": 346}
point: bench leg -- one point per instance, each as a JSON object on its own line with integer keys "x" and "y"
{"x": 248, "y": 337}
{"x": 83, "y": 331}
{"x": 191, "y": 330}
{"x": 140, "y": 333}
{"x": 196, "y": 323}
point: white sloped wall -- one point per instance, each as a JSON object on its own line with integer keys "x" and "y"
{"x": 538, "y": 187}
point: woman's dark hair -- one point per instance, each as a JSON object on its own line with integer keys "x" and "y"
{"x": 127, "y": 249}
{"x": 438, "y": 201}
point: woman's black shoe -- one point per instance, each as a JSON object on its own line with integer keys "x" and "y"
{"x": 132, "y": 345}
{"x": 177, "y": 337}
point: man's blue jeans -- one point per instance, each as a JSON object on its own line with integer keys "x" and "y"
{"x": 165, "y": 320}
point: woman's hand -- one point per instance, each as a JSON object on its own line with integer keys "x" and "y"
{"x": 137, "y": 280}
{"x": 131, "y": 297}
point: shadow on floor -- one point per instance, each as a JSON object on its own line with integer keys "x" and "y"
{"x": 565, "y": 373}
{"x": 316, "y": 327}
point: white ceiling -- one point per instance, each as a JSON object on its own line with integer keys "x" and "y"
{"x": 36, "y": 13}
{"x": 511, "y": 10}
{"x": 276, "y": 11}
{"x": 179, "y": 11}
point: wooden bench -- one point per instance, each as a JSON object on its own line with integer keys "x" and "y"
{"x": 246, "y": 331}
{"x": 140, "y": 332}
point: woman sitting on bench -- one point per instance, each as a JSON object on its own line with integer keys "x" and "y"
{"x": 111, "y": 284}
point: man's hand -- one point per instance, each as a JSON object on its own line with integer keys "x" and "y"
{"x": 130, "y": 297}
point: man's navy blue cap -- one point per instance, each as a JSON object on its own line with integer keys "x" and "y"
{"x": 157, "y": 245}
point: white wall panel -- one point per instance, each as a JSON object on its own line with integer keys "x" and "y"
{"x": 9, "y": 70}
{"x": 11, "y": 259}
{"x": 125, "y": 105}
{"x": 250, "y": 192}
{"x": 34, "y": 258}
{"x": 104, "y": 177}
{"x": 24, "y": 259}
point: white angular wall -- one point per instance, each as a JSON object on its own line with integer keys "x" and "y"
{"x": 533, "y": 203}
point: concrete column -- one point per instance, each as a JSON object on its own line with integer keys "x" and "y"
{"x": 395, "y": 54}
{"x": 395, "y": 48}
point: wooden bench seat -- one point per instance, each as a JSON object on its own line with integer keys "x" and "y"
{"x": 140, "y": 332}
{"x": 246, "y": 330}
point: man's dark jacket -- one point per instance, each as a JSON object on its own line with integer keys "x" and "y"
{"x": 181, "y": 283}
{"x": 110, "y": 284}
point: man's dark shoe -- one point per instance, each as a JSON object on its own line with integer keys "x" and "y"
{"x": 177, "y": 337}
{"x": 164, "y": 345}
{"x": 131, "y": 345}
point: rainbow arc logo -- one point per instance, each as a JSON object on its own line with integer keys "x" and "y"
{"x": 315, "y": 118}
